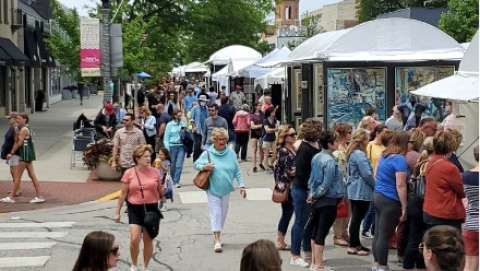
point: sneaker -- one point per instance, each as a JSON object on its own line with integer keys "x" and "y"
{"x": 261, "y": 166}
{"x": 7, "y": 200}
{"x": 367, "y": 235}
{"x": 217, "y": 247}
{"x": 133, "y": 268}
{"x": 298, "y": 262}
{"x": 37, "y": 200}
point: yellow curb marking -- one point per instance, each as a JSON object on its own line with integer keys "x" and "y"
{"x": 111, "y": 196}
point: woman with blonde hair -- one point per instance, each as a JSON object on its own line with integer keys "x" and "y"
{"x": 360, "y": 184}
{"x": 284, "y": 172}
{"x": 142, "y": 190}
{"x": 224, "y": 167}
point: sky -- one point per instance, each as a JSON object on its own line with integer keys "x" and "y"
{"x": 305, "y": 5}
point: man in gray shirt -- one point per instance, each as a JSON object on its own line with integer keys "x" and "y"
{"x": 214, "y": 121}
{"x": 238, "y": 97}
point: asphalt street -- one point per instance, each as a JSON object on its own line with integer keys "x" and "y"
{"x": 184, "y": 243}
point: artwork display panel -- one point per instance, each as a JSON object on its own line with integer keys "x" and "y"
{"x": 408, "y": 79}
{"x": 352, "y": 91}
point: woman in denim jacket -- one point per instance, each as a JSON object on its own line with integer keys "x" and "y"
{"x": 360, "y": 184}
{"x": 326, "y": 190}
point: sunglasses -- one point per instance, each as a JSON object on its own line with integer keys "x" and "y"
{"x": 115, "y": 250}
{"x": 420, "y": 247}
{"x": 292, "y": 134}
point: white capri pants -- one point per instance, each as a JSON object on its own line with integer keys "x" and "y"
{"x": 217, "y": 209}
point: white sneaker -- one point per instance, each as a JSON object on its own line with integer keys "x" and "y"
{"x": 133, "y": 268}
{"x": 37, "y": 200}
{"x": 7, "y": 200}
{"x": 217, "y": 247}
{"x": 298, "y": 262}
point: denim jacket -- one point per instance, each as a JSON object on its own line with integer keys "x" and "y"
{"x": 360, "y": 182}
{"x": 325, "y": 179}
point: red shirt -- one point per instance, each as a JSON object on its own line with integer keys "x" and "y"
{"x": 443, "y": 190}
{"x": 150, "y": 179}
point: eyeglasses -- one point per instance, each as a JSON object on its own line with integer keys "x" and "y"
{"x": 221, "y": 139}
{"x": 126, "y": 120}
{"x": 115, "y": 250}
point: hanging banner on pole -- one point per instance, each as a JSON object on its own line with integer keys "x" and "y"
{"x": 90, "y": 54}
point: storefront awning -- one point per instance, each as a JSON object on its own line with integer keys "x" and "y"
{"x": 15, "y": 56}
{"x": 31, "y": 47}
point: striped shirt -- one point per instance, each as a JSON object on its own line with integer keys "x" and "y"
{"x": 470, "y": 185}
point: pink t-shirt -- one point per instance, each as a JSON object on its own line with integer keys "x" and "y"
{"x": 150, "y": 179}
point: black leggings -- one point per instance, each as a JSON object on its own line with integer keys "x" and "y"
{"x": 415, "y": 229}
{"x": 241, "y": 142}
{"x": 387, "y": 214}
{"x": 322, "y": 220}
{"x": 359, "y": 209}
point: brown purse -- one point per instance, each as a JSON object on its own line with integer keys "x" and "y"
{"x": 279, "y": 196}
{"x": 202, "y": 179}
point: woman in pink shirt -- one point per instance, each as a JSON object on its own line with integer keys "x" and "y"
{"x": 140, "y": 185}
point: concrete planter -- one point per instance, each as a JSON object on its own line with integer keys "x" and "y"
{"x": 105, "y": 172}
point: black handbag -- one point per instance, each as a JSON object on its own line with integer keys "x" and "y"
{"x": 151, "y": 220}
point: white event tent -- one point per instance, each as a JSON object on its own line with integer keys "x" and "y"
{"x": 275, "y": 76}
{"x": 463, "y": 88}
{"x": 389, "y": 39}
{"x": 195, "y": 67}
{"x": 258, "y": 69}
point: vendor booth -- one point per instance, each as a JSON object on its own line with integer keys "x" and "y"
{"x": 462, "y": 89}
{"x": 194, "y": 71}
{"x": 235, "y": 54}
{"x": 338, "y": 75}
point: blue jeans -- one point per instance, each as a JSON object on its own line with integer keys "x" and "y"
{"x": 368, "y": 224}
{"x": 287, "y": 213}
{"x": 177, "y": 154}
{"x": 302, "y": 210}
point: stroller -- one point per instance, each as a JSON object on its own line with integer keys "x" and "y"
{"x": 83, "y": 135}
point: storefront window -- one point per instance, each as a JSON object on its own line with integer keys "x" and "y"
{"x": 408, "y": 79}
{"x": 352, "y": 91}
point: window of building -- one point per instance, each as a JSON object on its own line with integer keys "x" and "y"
{"x": 1, "y": 13}
{"x": 5, "y": 11}
{"x": 288, "y": 13}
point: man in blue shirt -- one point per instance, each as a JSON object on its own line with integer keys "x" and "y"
{"x": 188, "y": 101}
{"x": 199, "y": 115}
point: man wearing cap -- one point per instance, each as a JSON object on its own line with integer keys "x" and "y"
{"x": 8, "y": 142}
{"x": 199, "y": 115}
{"x": 105, "y": 121}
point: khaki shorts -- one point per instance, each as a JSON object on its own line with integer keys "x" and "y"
{"x": 14, "y": 161}
{"x": 267, "y": 145}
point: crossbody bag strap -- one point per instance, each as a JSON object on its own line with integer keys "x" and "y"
{"x": 141, "y": 189}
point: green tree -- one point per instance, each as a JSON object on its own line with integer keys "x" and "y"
{"x": 461, "y": 20}
{"x": 311, "y": 25}
{"x": 66, "y": 48}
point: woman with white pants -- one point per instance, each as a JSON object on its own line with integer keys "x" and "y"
{"x": 223, "y": 163}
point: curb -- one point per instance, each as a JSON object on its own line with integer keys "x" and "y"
{"x": 111, "y": 196}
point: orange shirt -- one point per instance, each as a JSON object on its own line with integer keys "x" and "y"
{"x": 150, "y": 179}
{"x": 443, "y": 190}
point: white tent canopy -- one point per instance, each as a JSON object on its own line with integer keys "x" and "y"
{"x": 462, "y": 86}
{"x": 258, "y": 69}
{"x": 195, "y": 67}
{"x": 223, "y": 56}
{"x": 275, "y": 76}
{"x": 235, "y": 65}
{"x": 389, "y": 39}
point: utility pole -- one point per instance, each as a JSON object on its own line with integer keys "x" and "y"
{"x": 105, "y": 44}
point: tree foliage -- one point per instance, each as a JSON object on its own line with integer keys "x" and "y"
{"x": 311, "y": 25}
{"x": 370, "y": 9}
{"x": 66, "y": 49}
{"x": 461, "y": 20}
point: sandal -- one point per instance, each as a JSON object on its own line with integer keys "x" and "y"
{"x": 363, "y": 251}
{"x": 340, "y": 242}
{"x": 283, "y": 247}
{"x": 352, "y": 251}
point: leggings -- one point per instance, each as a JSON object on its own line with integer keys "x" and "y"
{"x": 359, "y": 209}
{"x": 387, "y": 214}
{"x": 287, "y": 213}
{"x": 241, "y": 142}
{"x": 415, "y": 229}
{"x": 322, "y": 220}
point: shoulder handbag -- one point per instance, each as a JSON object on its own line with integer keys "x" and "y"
{"x": 281, "y": 189}
{"x": 151, "y": 220}
{"x": 201, "y": 180}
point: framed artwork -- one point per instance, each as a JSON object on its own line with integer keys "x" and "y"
{"x": 408, "y": 79}
{"x": 318, "y": 91}
{"x": 351, "y": 91}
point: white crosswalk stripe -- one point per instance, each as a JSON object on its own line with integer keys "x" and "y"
{"x": 29, "y": 237}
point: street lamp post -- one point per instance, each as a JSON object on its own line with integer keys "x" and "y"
{"x": 106, "y": 61}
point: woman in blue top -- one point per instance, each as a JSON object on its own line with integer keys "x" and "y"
{"x": 390, "y": 197}
{"x": 224, "y": 165}
{"x": 360, "y": 185}
{"x": 149, "y": 128}
{"x": 172, "y": 141}
{"x": 326, "y": 189}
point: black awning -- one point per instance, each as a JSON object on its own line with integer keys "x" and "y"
{"x": 16, "y": 56}
{"x": 31, "y": 46}
{"x": 4, "y": 58}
